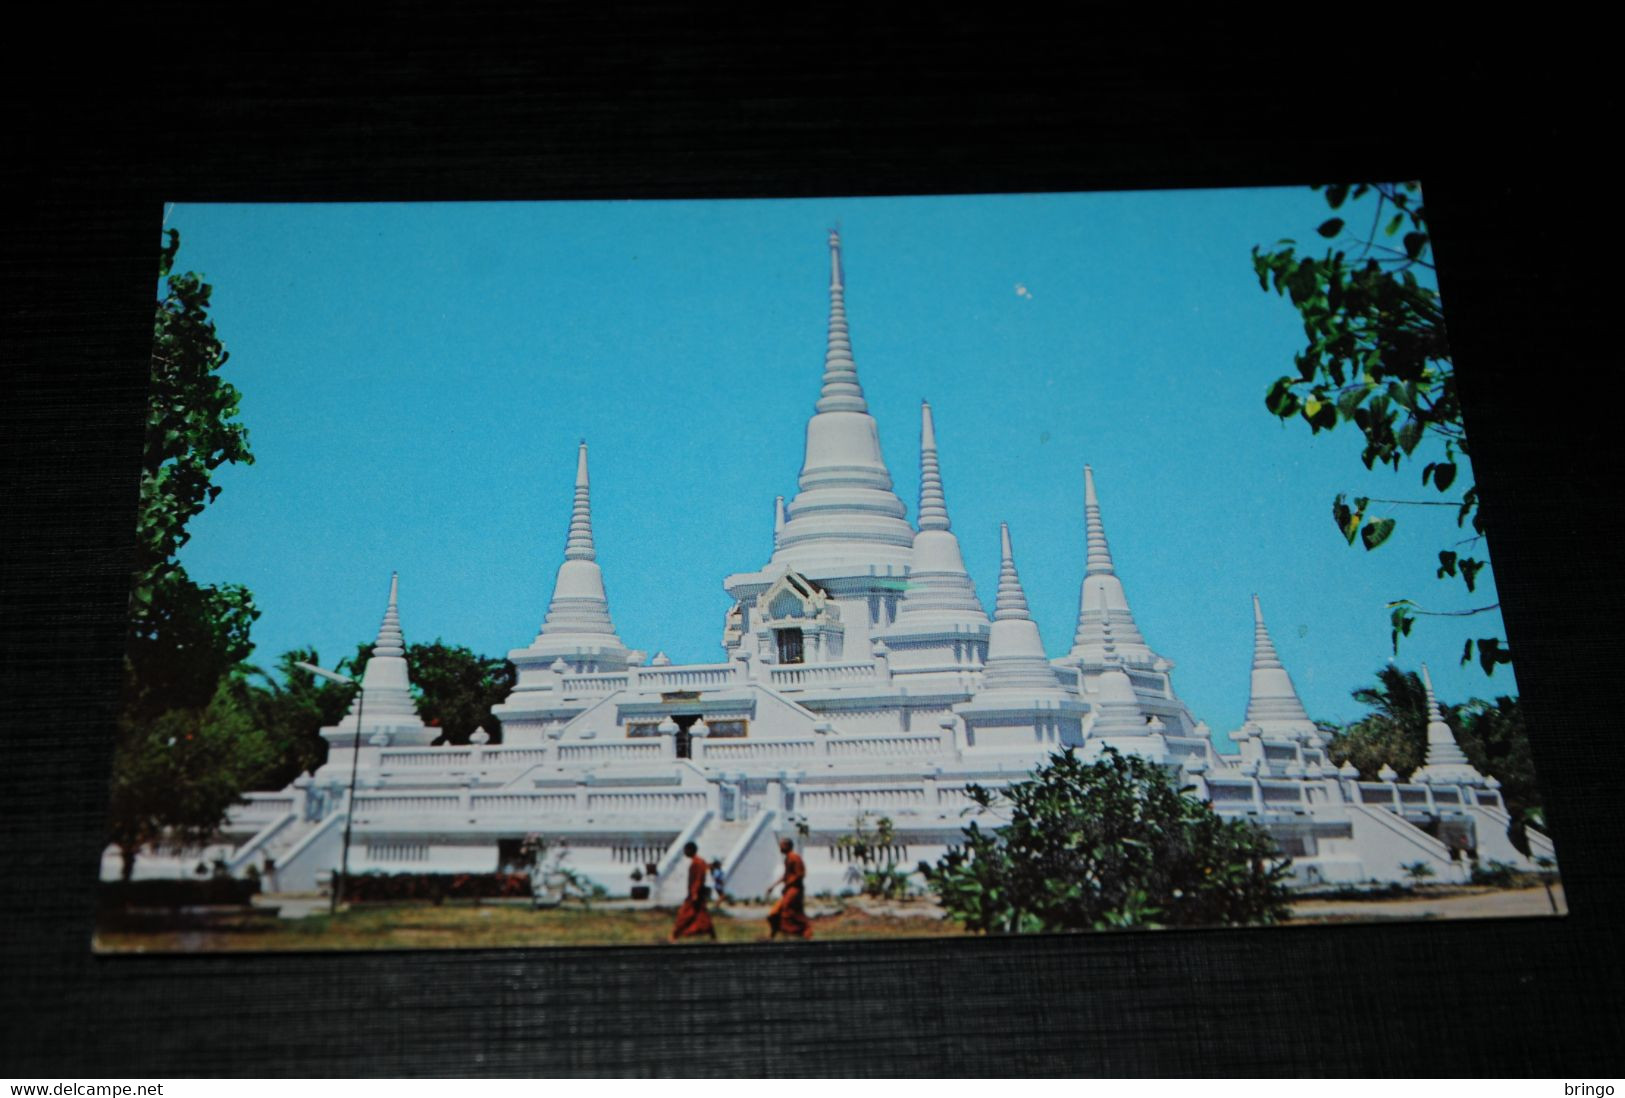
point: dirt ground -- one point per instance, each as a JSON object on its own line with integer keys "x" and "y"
{"x": 466, "y": 926}
{"x": 1440, "y": 903}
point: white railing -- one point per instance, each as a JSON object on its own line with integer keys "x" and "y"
{"x": 684, "y": 678}
{"x": 522, "y": 803}
{"x": 426, "y": 758}
{"x": 859, "y": 799}
{"x": 885, "y": 746}
{"x": 594, "y": 684}
{"x": 646, "y": 802}
{"x": 395, "y": 803}
{"x": 610, "y": 752}
{"x": 821, "y": 674}
{"x": 514, "y": 756}
{"x": 747, "y": 751}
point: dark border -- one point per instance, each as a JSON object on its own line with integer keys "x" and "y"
{"x": 401, "y": 103}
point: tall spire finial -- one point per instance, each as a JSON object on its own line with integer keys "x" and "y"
{"x": 1011, "y": 601}
{"x": 1099, "y": 561}
{"x": 1263, "y": 648}
{"x": 841, "y": 392}
{"x": 778, "y": 518}
{"x": 1434, "y": 714}
{"x": 390, "y": 641}
{"x": 933, "y": 504}
{"x": 579, "y": 544}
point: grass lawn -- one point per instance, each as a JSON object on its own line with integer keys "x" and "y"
{"x": 458, "y": 926}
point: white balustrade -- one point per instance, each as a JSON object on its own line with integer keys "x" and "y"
{"x": 749, "y": 751}
{"x": 406, "y": 803}
{"x": 860, "y": 799}
{"x": 886, "y": 746}
{"x": 686, "y": 678}
{"x": 523, "y": 803}
{"x": 594, "y": 684}
{"x": 514, "y": 756}
{"x": 611, "y": 752}
{"x": 426, "y": 758}
{"x": 646, "y": 802}
{"x": 822, "y": 674}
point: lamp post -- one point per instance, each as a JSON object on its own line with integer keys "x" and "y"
{"x": 355, "y": 759}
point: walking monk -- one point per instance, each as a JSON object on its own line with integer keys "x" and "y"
{"x": 692, "y": 918}
{"x": 789, "y": 915}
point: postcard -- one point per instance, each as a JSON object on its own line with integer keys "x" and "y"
{"x": 692, "y": 572}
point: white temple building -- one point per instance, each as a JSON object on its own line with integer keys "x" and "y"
{"x": 860, "y": 673}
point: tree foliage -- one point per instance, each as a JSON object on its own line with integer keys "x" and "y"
{"x": 1377, "y": 355}
{"x": 1108, "y": 843}
{"x": 172, "y": 773}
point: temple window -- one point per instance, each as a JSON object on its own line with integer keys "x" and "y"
{"x": 789, "y": 644}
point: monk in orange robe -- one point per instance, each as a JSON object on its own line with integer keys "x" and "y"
{"x": 789, "y": 914}
{"x": 693, "y": 919}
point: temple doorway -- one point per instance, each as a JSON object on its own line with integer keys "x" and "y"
{"x": 685, "y": 740}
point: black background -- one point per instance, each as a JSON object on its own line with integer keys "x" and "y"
{"x": 110, "y": 115}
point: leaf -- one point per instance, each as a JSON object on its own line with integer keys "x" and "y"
{"x": 1467, "y": 651}
{"x": 1348, "y": 523}
{"x": 1394, "y": 224}
{"x": 1490, "y": 653}
{"x": 1447, "y": 563}
{"x": 1469, "y": 571}
{"x": 1401, "y": 620}
{"x": 1376, "y": 532}
{"x": 1409, "y": 435}
{"x": 1331, "y": 227}
{"x": 1444, "y": 475}
{"x": 1414, "y": 243}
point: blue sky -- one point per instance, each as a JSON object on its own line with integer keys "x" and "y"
{"x": 415, "y": 378}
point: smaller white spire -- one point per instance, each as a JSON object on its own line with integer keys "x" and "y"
{"x": 940, "y": 593}
{"x": 385, "y": 701}
{"x": 1444, "y": 760}
{"x": 933, "y": 504}
{"x": 1015, "y": 653}
{"x": 778, "y": 520}
{"x": 1102, "y": 605}
{"x": 1272, "y": 701}
{"x": 1011, "y": 601}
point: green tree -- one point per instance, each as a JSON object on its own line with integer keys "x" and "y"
{"x": 1108, "y": 843}
{"x": 1394, "y": 733}
{"x": 455, "y": 687}
{"x": 184, "y": 639}
{"x": 1377, "y": 355}
{"x": 1495, "y": 740}
{"x": 176, "y": 774}
{"x": 291, "y": 708}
